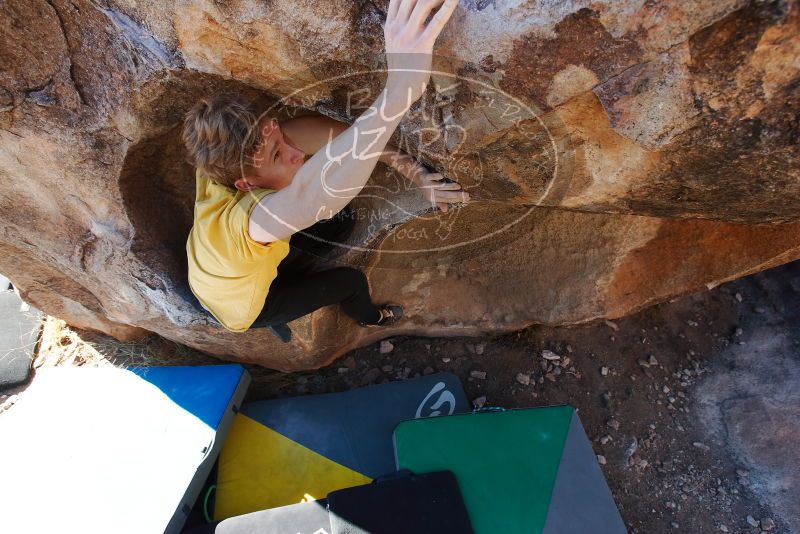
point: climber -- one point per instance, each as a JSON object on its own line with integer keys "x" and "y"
{"x": 256, "y": 189}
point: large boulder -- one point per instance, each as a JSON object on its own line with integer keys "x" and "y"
{"x": 619, "y": 153}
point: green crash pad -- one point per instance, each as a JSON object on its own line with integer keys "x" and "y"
{"x": 519, "y": 471}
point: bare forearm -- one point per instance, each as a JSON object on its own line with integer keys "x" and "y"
{"x": 337, "y": 173}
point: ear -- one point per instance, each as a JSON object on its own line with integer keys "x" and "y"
{"x": 243, "y": 185}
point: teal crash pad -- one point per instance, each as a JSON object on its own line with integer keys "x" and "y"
{"x": 520, "y": 471}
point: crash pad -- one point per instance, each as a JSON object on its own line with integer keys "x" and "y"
{"x": 303, "y": 518}
{"x": 400, "y": 504}
{"x": 106, "y": 449}
{"x": 20, "y": 325}
{"x": 527, "y": 470}
{"x": 285, "y": 451}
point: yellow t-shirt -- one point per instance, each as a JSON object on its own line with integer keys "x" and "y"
{"x": 229, "y": 272}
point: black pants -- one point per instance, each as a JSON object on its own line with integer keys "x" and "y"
{"x": 304, "y": 285}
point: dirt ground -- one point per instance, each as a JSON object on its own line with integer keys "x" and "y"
{"x": 632, "y": 381}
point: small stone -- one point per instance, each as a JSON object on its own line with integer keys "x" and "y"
{"x": 557, "y": 371}
{"x": 601, "y": 459}
{"x": 752, "y": 521}
{"x": 8, "y": 403}
{"x": 479, "y": 402}
{"x": 767, "y": 524}
{"x": 605, "y": 439}
{"x": 371, "y": 376}
{"x": 550, "y": 355}
{"x": 691, "y": 323}
{"x": 427, "y": 371}
{"x": 631, "y": 451}
{"x": 742, "y": 472}
{"x": 427, "y": 346}
{"x": 671, "y": 505}
{"x": 723, "y": 528}
{"x": 604, "y": 371}
{"x": 479, "y": 375}
{"x": 738, "y": 332}
{"x": 551, "y": 377}
{"x": 524, "y": 379}
{"x": 566, "y": 362}
{"x": 701, "y": 446}
{"x": 446, "y": 360}
{"x": 643, "y": 464}
{"x": 386, "y": 347}
{"x": 612, "y": 325}
{"x": 479, "y": 348}
{"x": 343, "y": 370}
{"x": 652, "y": 360}
{"x": 406, "y": 372}
{"x": 738, "y": 296}
{"x": 666, "y": 390}
{"x": 613, "y": 423}
{"x": 387, "y": 368}
{"x": 674, "y": 525}
{"x": 760, "y": 309}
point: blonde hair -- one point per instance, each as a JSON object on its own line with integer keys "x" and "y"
{"x": 220, "y": 134}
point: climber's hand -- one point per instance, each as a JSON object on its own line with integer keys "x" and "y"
{"x": 409, "y": 43}
{"x": 438, "y": 191}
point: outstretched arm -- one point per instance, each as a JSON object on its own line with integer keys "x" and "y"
{"x": 311, "y": 133}
{"x": 334, "y": 175}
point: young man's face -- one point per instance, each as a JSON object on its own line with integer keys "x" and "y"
{"x": 275, "y": 161}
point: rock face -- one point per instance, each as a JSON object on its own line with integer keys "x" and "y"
{"x": 751, "y": 406}
{"x": 619, "y": 153}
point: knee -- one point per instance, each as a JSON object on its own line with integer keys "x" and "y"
{"x": 352, "y": 277}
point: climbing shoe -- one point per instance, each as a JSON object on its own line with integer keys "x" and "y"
{"x": 389, "y": 314}
{"x": 281, "y": 331}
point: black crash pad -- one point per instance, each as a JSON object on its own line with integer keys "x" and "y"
{"x": 422, "y": 503}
